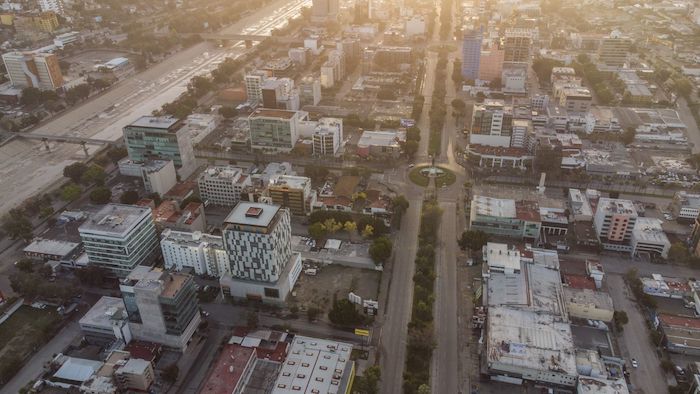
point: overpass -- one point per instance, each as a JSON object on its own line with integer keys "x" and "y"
{"x": 45, "y": 138}
{"x": 247, "y": 38}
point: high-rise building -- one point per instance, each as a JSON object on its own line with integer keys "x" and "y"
{"x": 162, "y": 306}
{"x": 164, "y": 138}
{"x": 222, "y": 185}
{"x": 309, "y": 91}
{"x": 292, "y": 192}
{"x": 257, "y": 238}
{"x": 279, "y": 93}
{"x": 324, "y": 10}
{"x": 253, "y": 86}
{"x": 119, "y": 237}
{"x": 614, "y": 223}
{"x": 204, "y": 253}
{"x": 51, "y": 5}
{"x": 33, "y": 70}
{"x": 614, "y": 49}
{"x": 517, "y": 45}
{"x": 492, "y": 124}
{"x": 471, "y": 53}
{"x": 491, "y": 63}
{"x": 273, "y": 129}
{"x": 333, "y": 70}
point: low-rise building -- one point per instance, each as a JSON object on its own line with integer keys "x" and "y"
{"x": 686, "y": 206}
{"x": 649, "y": 238}
{"x": 106, "y": 322}
{"x": 51, "y": 249}
{"x": 505, "y": 217}
{"x": 168, "y": 215}
{"x": 158, "y": 176}
{"x": 292, "y": 192}
{"x": 135, "y": 374}
{"x": 204, "y": 253}
{"x": 589, "y": 304}
{"x": 680, "y": 334}
{"x": 222, "y": 185}
{"x": 580, "y": 207}
{"x": 379, "y": 144}
{"x": 660, "y": 286}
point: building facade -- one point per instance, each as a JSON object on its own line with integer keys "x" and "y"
{"x": 273, "y": 130}
{"x": 614, "y": 223}
{"x": 471, "y": 53}
{"x": 222, "y": 185}
{"x": 33, "y": 70}
{"x": 204, "y": 253}
{"x": 292, "y": 192}
{"x": 614, "y": 49}
{"x": 120, "y": 237}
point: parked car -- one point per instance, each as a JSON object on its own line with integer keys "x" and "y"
{"x": 635, "y": 364}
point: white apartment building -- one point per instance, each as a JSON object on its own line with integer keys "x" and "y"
{"x": 309, "y": 91}
{"x": 119, "y": 237}
{"x": 327, "y": 136}
{"x": 51, "y": 5}
{"x": 614, "y": 222}
{"x": 333, "y": 70}
{"x": 649, "y": 238}
{"x": 204, "y": 253}
{"x": 222, "y": 185}
{"x": 253, "y": 86}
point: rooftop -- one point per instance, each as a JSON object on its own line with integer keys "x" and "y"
{"x": 381, "y": 138}
{"x": 575, "y": 281}
{"x": 591, "y": 385}
{"x": 273, "y": 113}
{"x": 252, "y": 214}
{"x": 155, "y": 122}
{"x": 191, "y": 238}
{"x": 588, "y": 297}
{"x": 51, "y": 247}
{"x": 649, "y": 230}
{"x": 612, "y": 206}
{"x": 501, "y": 257}
{"x": 228, "y": 369}
{"x": 290, "y": 181}
{"x": 487, "y": 206}
{"x": 135, "y": 366}
{"x": 523, "y": 339}
{"x": 315, "y": 366}
{"x": 689, "y": 323}
{"x": 115, "y": 219}
{"x": 77, "y": 370}
{"x": 104, "y": 312}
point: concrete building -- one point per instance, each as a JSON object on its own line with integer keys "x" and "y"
{"x": 514, "y": 79}
{"x": 119, "y": 237}
{"x": 55, "y": 6}
{"x": 505, "y": 217}
{"x": 279, "y": 93}
{"x": 253, "y": 86}
{"x": 33, "y": 70}
{"x": 309, "y": 91}
{"x": 491, "y": 124}
{"x": 685, "y": 206}
{"x": 517, "y": 45}
{"x": 614, "y": 49}
{"x": 316, "y": 365}
{"x": 51, "y": 249}
{"x": 162, "y": 306}
{"x": 501, "y": 258}
{"x": 257, "y": 238}
{"x": 681, "y": 334}
{"x": 65, "y": 39}
{"x": 491, "y": 64}
{"x": 415, "y": 26}
{"x": 273, "y": 130}
{"x": 203, "y": 253}
{"x": 379, "y": 144}
{"x": 163, "y": 138}
{"x": 327, "y": 136}
{"x": 324, "y": 10}
{"x": 471, "y": 53}
{"x": 589, "y": 304}
{"x": 158, "y": 176}
{"x": 135, "y": 375}
{"x": 106, "y": 322}
{"x": 614, "y": 222}
{"x": 544, "y": 355}
{"x": 222, "y": 185}
{"x": 333, "y": 70}
{"x": 292, "y": 192}
{"x": 575, "y": 99}
{"x": 580, "y": 207}
{"x": 649, "y": 238}
{"x": 299, "y": 55}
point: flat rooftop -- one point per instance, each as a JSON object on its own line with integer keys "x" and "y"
{"x": 381, "y": 138}
{"x": 228, "y": 369}
{"x": 51, "y": 247}
{"x": 523, "y": 339}
{"x": 191, "y": 238}
{"x": 488, "y": 206}
{"x": 591, "y": 385}
{"x": 155, "y": 122}
{"x": 105, "y": 310}
{"x": 291, "y": 181}
{"x": 115, "y": 219}
{"x": 315, "y": 366}
{"x": 617, "y": 206}
{"x": 599, "y": 299}
{"x": 252, "y": 214}
{"x": 273, "y": 113}
{"x": 649, "y": 230}
{"x": 501, "y": 256}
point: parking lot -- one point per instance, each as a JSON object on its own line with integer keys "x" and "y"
{"x": 86, "y": 61}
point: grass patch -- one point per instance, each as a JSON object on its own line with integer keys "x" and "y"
{"x": 419, "y": 179}
{"x": 446, "y": 180}
{"x": 416, "y": 177}
{"x": 27, "y": 328}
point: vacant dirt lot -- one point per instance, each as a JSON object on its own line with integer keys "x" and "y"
{"x": 317, "y": 291}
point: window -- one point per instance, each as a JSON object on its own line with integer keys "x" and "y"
{"x": 272, "y": 292}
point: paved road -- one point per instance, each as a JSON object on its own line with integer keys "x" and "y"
{"x": 35, "y": 365}
{"x": 445, "y": 357}
{"x": 635, "y": 343}
{"x": 397, "y": 311}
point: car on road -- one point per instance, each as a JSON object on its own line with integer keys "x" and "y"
{"x": 635, "y": 364}
{"x": 411, "y": 165}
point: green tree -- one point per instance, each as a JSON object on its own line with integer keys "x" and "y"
{"x": 91, "y": 275}
{"x": 344, "y": 313}
{"x": 94, "y": 174}
{"x": 25, "y": 265}
{"x": 316, "y": 173}
{"x": 410, "y": 148}
{"x": 31, "y": 96}
{"x": 75, "y": 171}
{"x": 678, "y": 252}
{"x": 380, "y": 250}
{"x": 473, "y": 240}
{"x": 170, "y": 373}
{"x": 71, "y": 192}
{"x": 45, "y": 270}
{"x": 9, "y": 366}
{"x": 17, "y": 226}
{"x": 423, "y": 389}
{"x": 228, "y": 112}
{"x": 317, "y": 231}
{"x": 368, "y": 383}
{"x": 620, "y": 318}
{"x": 399, "y": 205}
{"x": 117, "y": 153}
{"x": 628, "y": 135}
{"x": 683, "y": 87}
{"x": 129, "y": 197}
{"x": 101, "y": 195}
{"x": 548, "y": 159}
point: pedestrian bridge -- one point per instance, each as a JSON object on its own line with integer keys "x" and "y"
{"x": 61, "y": 138}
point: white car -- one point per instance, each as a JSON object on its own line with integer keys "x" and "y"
{"x": 635, "y": 364}
{"x": 411, "y": 165}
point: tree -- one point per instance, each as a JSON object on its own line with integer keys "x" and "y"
{"x": 399, "y": 205}
{"x": 252, "y": 320}
{"x": 345, "y": 314}
{"x": 17, "y": 226}
{"x": 45, "y": 270}
{"x": 228, "y": 112}
{"x": 368, "y": 383}
{"x": 117, "y": 153}
{"x": 94, "y": 174}
{"x": 350, "y": 226}
{"x": 9, "y": 366}
{"x": 548, "y": 159}
{"x": 683, "y": 87}
{"x": 316, "y": 173}
{"x": 620, "y": 318}
{"x": 71, "y": 192}
{"x": 312, "y": 313}
{"x": 473, "y": 240}
{"x": 678, "y": 252}
{"x": 91, "y": 275}
{"x": 628, "y": 135}
{"x": 380, "y": 250}
{"x": 423, "y": 389}
{"x": 80, "y": 92}
{"x": 129, "y": 197}
{"x": 368, "y": 231}
{"x": 101, "y": 195}
{"x": 410, "y": 147}
{"x": 30, "y": 96}
{"x": 25, "y": 265}
{"x": 75, "y": 171}
{"x": 317, "y": 231}
{"x": 170, "y": 373}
